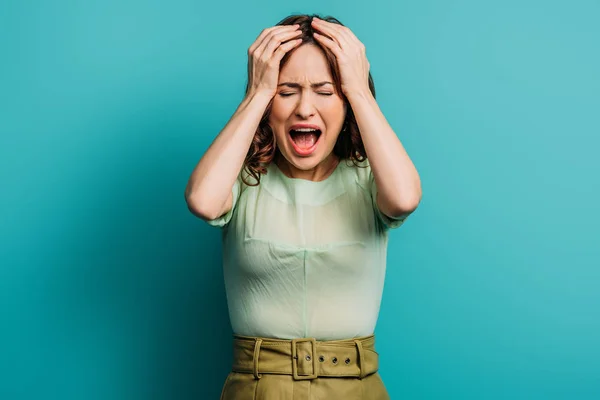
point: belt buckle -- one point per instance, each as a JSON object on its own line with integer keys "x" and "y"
{"x": 295, "y": 358}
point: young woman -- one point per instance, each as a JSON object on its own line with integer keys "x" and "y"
{"x": 305, "y": 215}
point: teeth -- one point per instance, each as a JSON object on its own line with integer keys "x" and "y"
{"x": 305, "y": 130}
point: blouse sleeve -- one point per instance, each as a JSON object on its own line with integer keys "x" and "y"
{"x": 388, "y": 222}
{"x": 224, "y": 219}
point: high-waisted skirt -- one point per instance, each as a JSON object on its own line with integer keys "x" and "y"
{"x": 304, "y": 369}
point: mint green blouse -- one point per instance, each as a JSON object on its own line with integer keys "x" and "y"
{"x": 304, "y": 258}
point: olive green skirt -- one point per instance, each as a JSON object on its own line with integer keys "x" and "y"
{"x": 304, "y": 369}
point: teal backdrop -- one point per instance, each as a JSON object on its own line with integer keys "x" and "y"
{"x": 111, "y": 289}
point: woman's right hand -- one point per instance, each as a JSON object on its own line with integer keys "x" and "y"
{"x": 264, "y": 57}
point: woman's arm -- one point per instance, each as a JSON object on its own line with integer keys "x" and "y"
{"x": 208, "y": 191}
{"x": 397, "y": 179}
{"x": 398, "y": 183}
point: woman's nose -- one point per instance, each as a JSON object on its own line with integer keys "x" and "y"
{"x": 305, "y": 107}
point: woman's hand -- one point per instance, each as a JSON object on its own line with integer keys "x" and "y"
{"x": 264, "y": 57}
{"x": 349, "y": 52}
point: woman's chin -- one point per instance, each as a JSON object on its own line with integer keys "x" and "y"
{"x": 303, "y": 163}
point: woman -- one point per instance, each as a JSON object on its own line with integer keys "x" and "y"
{"x": 304, "y": 215}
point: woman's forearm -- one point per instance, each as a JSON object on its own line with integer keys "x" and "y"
{"x": 397, "y": 179}
{"x": 208, "y": 190}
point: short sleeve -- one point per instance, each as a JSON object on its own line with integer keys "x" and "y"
{"x": 224, "y": 219}
{"x": 387, "y": 221}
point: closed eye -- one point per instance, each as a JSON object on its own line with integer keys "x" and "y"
{"x": 289, "y": 94}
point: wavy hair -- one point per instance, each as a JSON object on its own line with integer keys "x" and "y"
{"x": 349, "y": 145}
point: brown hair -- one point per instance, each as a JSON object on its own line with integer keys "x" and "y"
{"x": 349, "y": 144}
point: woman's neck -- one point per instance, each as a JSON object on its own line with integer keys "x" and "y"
{"x": 319, "y": 173}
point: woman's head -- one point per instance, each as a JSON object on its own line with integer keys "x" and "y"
{"x": 309, "y": 93}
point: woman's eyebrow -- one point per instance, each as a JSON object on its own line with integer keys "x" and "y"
{"x": 297, "y": 85}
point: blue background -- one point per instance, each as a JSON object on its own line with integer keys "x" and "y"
{"x": 111, "y": 289}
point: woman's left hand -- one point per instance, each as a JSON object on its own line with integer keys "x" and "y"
{"x": 350, "y": 53}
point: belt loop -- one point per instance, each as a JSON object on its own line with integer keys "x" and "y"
{"x": 361, "y": 357}
{"x": 257, "y": 344}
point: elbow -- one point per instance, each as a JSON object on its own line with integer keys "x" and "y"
{"x": 200, "y": 208}
{"x": 405, "y": 207}
{"x": 403, "y": 211}
{"x": 414, "y": 203}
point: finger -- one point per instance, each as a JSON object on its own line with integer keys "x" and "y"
{"x": 331, "y": 30}
{"x": 260, "y": 38}
{"x": 274, "y": 42}
{"x": 264, "y": 36}
{"x": 283, "y": 49}
{"x": 275, "y": 36}
{"x": 330, "y": 44}
{"x": 268, "y": 31}
{"x": 343, "y": 31}
{"x": 349, "y": 35}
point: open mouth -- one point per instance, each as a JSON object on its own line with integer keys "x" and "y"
{"x": 304, "y": 140}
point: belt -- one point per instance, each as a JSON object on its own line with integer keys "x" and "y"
{"x": 305, "y": 358}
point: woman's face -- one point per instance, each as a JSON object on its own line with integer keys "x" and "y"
{"x": 305, "y": 101}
